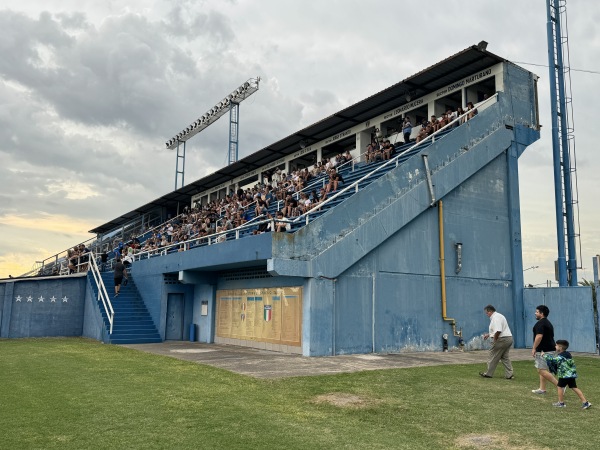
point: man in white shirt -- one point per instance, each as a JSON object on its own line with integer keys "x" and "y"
{"x": 502, "y": 341}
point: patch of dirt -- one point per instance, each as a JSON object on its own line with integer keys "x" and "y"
{"x": 490, "y": 441}
{"x": 343, "y": 400}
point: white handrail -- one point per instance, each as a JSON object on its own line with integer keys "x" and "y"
{"x": 102, "y": 294}
{"x": 390, "y": 161}
{"x": 214, "y": 238}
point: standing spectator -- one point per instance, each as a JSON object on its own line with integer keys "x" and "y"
{"x": 543, "y": 341}
{"x": 120, "y": 273}
{"x": 406, "y": 129}
{"x": 103, "y": 261}
{"x": 564, "y": 368}
{"x": 502, "y": 341}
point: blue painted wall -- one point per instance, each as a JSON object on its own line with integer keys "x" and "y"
{"x": 370, "y": 267}
{"x": 571, "y": 314}
{"x": 43, "y": 307}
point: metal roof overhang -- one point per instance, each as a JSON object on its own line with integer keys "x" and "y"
{"x": 454, "y": 68}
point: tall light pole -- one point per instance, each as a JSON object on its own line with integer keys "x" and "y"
{"x": 230, "y": 103}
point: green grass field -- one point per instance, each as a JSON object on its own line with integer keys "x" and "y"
{"x": 79, "y": 394}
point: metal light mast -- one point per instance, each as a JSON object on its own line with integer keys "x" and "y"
{"x": 230, "y": 103}
{"x": 563, "y": 142}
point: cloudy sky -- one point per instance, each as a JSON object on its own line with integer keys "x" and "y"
{"x": 90, "y": 91}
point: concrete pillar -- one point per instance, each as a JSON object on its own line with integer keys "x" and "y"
{"x": 6, "y": 311}
{"x": 362, "y": 140}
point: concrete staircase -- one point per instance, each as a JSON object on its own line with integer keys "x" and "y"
{"x": 133, "y": 323}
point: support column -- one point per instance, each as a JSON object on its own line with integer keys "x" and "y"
{"x": 516, "y": 253}
{"x": 6, "y": 312}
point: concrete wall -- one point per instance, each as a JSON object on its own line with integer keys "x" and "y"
{"x": 43, "y": 307}
{"x": 571, "y": 314}
{"x": 404, "y": 273}
{"x": 93, "y": 323}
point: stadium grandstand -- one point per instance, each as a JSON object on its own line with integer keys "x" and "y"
{"x": 385, "y": 227}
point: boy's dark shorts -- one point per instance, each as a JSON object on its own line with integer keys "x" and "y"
{"x": 570, "y": 382}
{"x": 118, "y": 281}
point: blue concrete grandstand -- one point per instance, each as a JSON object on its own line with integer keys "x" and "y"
{"x": 409, "y": 246}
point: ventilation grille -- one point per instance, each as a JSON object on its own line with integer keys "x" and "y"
{"x": 171, "y": 278}
{"x": 245, "y": 274}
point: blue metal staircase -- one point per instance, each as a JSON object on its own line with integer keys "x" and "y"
{"x": 133, "y": 323}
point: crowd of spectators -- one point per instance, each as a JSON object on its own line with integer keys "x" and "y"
{"x": 292, "y": 192}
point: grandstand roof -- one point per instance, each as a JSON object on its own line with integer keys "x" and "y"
{"x": 449, "y": 70}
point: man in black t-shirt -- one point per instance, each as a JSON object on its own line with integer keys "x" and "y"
{"x": 120, "y": 272}
{"x": 543, "y": 341}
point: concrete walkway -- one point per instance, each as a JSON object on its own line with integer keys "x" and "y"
{"x": 266, "y": 364}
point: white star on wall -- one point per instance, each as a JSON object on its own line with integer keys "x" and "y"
{"x": 65, "y": 299}
{"x": 41, "y": 299}
{"x": 29, "y": 299}
{"x": 18, "y": 298}
{"x": 53, "y": 299}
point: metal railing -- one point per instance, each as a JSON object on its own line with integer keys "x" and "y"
{"x": 218, "y": 237}
{"x": 102, "y": 294}
{"x": 394, "y": 160}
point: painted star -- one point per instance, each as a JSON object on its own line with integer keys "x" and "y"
{"x": 41, "y": 299}
{"x": 18, "y": 298}
{"x": 53, "y": 299}
{"x": 30, "y": 299}
{"x": 65, "y": 299}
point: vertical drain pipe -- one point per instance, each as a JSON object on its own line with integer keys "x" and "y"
{"x": 443, "y": 274}
{"x": 373, "y": 316}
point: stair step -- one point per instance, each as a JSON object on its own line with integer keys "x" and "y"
{"x": 137, "y": 340}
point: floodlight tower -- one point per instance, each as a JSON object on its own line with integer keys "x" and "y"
{"x": 230, "y": 103}
{"x": 563, "y": 143}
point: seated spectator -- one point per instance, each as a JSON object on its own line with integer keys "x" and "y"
{"x": 261, "y": 208}
{"x": 280, "y": 225}
{"x": 334, "y": 179}
{"x": 304, "y": 203}
{"x": 451, "y": 115}
{"x": 388, "y": 150}
{"x": 434, "y": 123}
{"x": 423, "y": 133}
{"x": 471, "y": 110}
{"x": 460, "y": 112}
{"x": 442, "y": 122}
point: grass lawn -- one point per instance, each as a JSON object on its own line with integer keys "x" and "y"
{"x": 79, "y": 394}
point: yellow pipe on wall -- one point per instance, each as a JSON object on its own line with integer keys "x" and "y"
{"x": 443, "y": 269}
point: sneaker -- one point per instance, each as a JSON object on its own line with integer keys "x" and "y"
{"x": 538, "y": 391}
{"x": 586, "y": 405}
{"x": 559, "y": 405}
